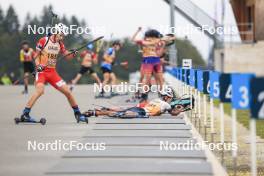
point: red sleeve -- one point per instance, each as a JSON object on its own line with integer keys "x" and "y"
{"x": 62, "y": 48}
{"x": 94, "y": 55}
{"x": 41, "y": 43}
{"x": 33, "y": 53}
{"x": 83, "y": 53}
{"x": 139, "y": 42}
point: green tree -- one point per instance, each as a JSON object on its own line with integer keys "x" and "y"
{"x": 129, "y": 52}
{"x": 10, "y": 23}
{"x": 187, "y": 50}
{"x": 1, "y": 19}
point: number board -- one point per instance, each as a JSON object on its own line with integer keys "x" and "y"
{"x": 187, "y": 76}
{"x": 240, "y": 90}
{"x": 192, "y": 79}
{"x": 180, "y": 74}
{"x": 183, "y": 75}
{"x": 195, "y": 78}
{"x": 225, "y": 88}
{"x": 174, "y": 72}
{"x": 257, "y": 98}
{"x": 206, "y": 82}
{"x": 200, "y": 80}
{"x": 187, "y": 63}
{"x": 214, "y": 84}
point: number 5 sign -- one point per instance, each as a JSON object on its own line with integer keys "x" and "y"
{"x": 257, "y": 98}
{"x": 240, "y": 90}
{"x": 214, "y": 84}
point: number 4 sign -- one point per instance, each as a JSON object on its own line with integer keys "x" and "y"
{"x": 240, "y": 90}
{"x": 257, "y": 98}
{"x": 225, "y": 88}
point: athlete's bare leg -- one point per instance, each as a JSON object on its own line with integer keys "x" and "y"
{"x": 108, "y": 113}
{"x": 106, "y": 79}
{"x": 26, "y": 80}
{"x": 66, "y": 91}
{"x": 76, "y": 79}
{"x": 38, "y": 92}
{"x": 160, "y": 80}
{"x": 96, "y": 78}
{"x": 113, "y": 79}
{"x": 147, "y": 80}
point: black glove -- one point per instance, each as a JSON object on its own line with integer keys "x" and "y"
{"x": 40, "y": 68}
{"x": 74, "y": 52}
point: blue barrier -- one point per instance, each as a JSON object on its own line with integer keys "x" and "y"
{"x": 180, "y": 74}
{"x": 206, "y": 85}
{"x": 242, "y": 90}
{"x": 193, "y": 78}
{"x": 187, "y": 76}
{"x": 200, "y": 85}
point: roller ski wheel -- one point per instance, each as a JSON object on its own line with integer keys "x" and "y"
{"x": 43, "y": 121}
{"x": 17, "y": 120}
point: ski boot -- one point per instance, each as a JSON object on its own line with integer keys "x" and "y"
{"x": 80, "y": 117}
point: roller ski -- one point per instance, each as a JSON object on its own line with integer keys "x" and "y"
{"x": 25, "y": 118}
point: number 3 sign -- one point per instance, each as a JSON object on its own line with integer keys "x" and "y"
{"x": 240, "y": 90}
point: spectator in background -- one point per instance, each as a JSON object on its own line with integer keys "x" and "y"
{"x": 26, "y": 57}
{"x": 5, "y": 80}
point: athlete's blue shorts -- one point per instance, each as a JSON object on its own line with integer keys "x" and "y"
{"x": 106, "y": 67}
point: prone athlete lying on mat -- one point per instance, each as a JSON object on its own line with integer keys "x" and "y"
{"x": 145, "y": 109}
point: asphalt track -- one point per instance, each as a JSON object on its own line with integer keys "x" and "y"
{"x": 132, "y": 147}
